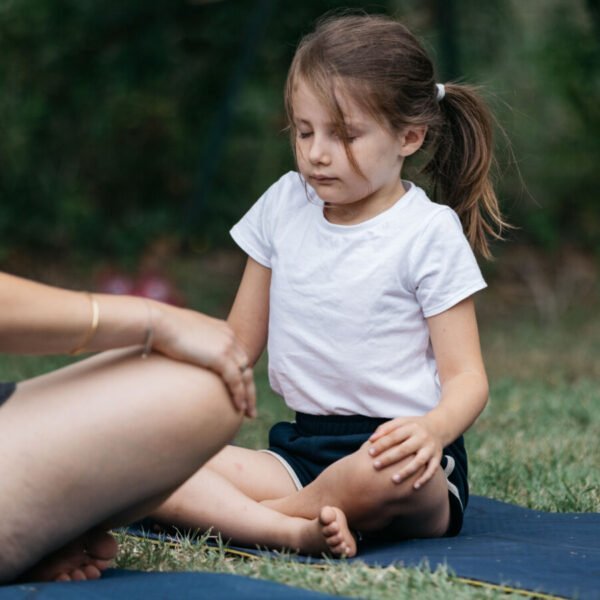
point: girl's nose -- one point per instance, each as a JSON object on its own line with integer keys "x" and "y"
{"x": 319, "y": 152}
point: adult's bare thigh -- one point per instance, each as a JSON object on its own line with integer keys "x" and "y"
{"x": 91, "y": 440}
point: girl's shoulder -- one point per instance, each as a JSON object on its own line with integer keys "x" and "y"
{"x": 288, "y": 198}
{"x": 427, "y": 215}
{"x": 290, "y": 184}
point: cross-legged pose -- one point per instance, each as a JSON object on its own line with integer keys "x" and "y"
{"x": 362, "y": 286}
{"x": 105, "y": 440}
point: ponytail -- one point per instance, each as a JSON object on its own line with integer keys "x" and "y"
{"x": 460, "y": 166}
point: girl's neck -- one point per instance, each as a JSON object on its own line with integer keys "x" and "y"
{"x": 364, "y": 209}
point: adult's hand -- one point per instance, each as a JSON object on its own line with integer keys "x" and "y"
{"x": 196, "y": 338}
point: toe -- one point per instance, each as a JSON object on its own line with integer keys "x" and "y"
{"x": 77, "y": 575}
{"x": 101, "y": 565}
{"x": 334, "y": 540}
{"x": 100, "y": 545}
{"x": 331, "y": 529}
{"x": 340, "y": 549}
{"x": 91, "y": 572}
{"x": 327, "y": 516}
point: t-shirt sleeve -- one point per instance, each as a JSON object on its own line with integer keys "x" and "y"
{"x": 442, "y": 265}
{"x": 253, "y": 232}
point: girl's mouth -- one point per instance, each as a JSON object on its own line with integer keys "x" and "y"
{"x": 323, "y": 178}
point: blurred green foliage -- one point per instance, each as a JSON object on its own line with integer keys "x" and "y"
{"x": 124, "y": 123}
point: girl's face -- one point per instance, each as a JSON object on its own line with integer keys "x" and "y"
{"x": 322, "y": 160}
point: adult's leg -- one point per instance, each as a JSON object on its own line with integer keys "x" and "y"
{"x": 225, "y": 495}
{"x": 99, "y": 438}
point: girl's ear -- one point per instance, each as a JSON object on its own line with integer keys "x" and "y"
{"x": 411, "y": 139}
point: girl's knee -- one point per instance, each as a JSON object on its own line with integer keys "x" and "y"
{"x": 377, "y": 484}
{"x": 377, "y": 500}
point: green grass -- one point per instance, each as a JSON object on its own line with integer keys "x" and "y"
{"x": 535, "y": 445}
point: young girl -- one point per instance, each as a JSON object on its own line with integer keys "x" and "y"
{"x": 363, "y": 287}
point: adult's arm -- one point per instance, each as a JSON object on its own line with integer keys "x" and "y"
{"x": 41, "y": 319}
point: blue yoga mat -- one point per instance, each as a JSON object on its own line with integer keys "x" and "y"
{"x": 557, "y": 554}
{"x": 131, "y": 585}
{"x": 552, "y": 553}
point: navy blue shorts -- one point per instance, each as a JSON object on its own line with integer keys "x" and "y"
{"x": 6, "y": 390}
{"x": 309, "y": 445}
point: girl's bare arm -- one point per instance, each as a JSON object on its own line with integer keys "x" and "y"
{"x": 249, "y": 316}
{"x": 455, "y": 342}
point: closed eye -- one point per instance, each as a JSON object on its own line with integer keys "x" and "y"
{"x": 345, "y": 138}
{"x": 304, "y": 134}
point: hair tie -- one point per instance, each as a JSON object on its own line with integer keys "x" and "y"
{"x": 441, "y": 91}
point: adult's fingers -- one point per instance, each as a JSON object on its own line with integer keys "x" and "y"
{"x": 232, "y": 376}
{"x": 248, "y": 379}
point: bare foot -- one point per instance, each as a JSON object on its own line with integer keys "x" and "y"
{"x": 337, "y": 534}
{"x": 84, "y": 558}
{"x": 329, "y": 533}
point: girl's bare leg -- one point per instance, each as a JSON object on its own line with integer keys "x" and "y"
{"x": 94, "y": 440}
{"x": 371, "y": 501}
{"x": 243, "y": 483}
{"x": 226, "y": 493}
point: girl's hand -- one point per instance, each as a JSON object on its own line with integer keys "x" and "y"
{"x": 196, "y": 338}
{"x": 403, "y": 437}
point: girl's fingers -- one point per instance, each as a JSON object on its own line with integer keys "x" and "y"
{"x": 420, "y": 460}
{"x": 385, "y": 428}
{"x": 429, "y": 473}
{"x": 392, "y": 438}
{"x": 396, "y": 454}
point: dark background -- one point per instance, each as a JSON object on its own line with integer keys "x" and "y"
{"x": 131, "y": 126}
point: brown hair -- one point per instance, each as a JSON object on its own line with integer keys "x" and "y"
{"x": 386, "y": 71}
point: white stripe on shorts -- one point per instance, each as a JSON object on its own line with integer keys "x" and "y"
{"x": 287, "y": 467}
{"x": 450, "y": 464}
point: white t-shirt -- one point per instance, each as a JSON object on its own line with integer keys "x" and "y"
{"x": 348, "y": 303}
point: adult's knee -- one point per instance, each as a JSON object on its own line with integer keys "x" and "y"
{"x": 182, "y": 405}
{"x": 204, "y": 401}
{"x": 215, "y": 398}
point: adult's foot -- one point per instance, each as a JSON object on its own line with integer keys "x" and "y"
{"x": 84, "y": 558}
